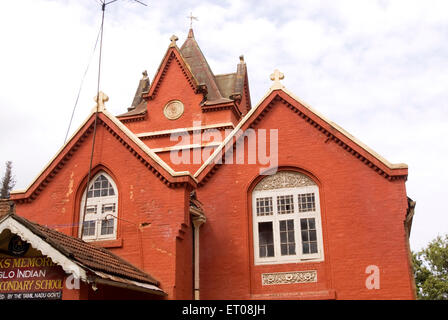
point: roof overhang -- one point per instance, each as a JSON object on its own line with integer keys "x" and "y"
{"x": 8, "y": 222}
{"x": 87, "y": 275}
{"x": 164, "y": 171}
{"x": 342, "y": 137}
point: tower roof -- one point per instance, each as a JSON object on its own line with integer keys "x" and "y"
{"x": 224, "y": 88}
{"x": 199, "y": 66}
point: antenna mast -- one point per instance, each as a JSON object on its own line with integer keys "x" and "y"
{"x": 103, "y": 9}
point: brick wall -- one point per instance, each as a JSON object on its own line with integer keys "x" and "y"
{"x": 362, "y": 212}
{"x": 362, "y": 217}
{"x": 6, "y": 206}
{"x": 143, "y": 198}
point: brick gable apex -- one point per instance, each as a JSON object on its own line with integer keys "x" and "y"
{"x": 120, "y": 132}
{"x": 173, "y": 55}
{"x": 333, "y": 132}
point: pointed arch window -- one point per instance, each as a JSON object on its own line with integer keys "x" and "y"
{"x": 286, "y": 219}
{"x": 100, "y": 219}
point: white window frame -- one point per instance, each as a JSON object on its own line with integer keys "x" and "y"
{"x": 275, "y": 218}
{"x": 98, "y": 217}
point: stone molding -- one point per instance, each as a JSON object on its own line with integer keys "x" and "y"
{"x": 284, "y": 179}
{"x": 289, "y": 277}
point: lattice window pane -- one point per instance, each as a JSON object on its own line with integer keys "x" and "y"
{"x": 287, "y": 240}
{"x": 107, "y": 226}
{"x": 101, "y": 187}
{"x": 264, "y": 206}
{"x": 285, "y": 204}
{"x": 307, "y": 202}
{"x": 89, "y": 228}
{"x": 265, "y": 239}
{"x": 309, "y": 235}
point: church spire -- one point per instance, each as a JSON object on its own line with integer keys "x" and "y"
{"x": 199, "y": 66}
{"x": 190, "y": 33}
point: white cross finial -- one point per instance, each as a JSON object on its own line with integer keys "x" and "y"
{"x": 276, "y": 77}
{"x": 100, "y": 99}
{"x": 191, "y": 19}
{"x": 173, "y": 40}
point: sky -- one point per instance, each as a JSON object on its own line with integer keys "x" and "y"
{"x": 378, "y": 68}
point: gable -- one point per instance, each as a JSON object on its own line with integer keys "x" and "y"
{"x": 332, "y": 131}
{"x": 115, "y": 131}
{"x": 184, "y": 74}
{"x": 172, "y": 57}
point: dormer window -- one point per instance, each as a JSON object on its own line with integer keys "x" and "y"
{"x": 100, "y": 219}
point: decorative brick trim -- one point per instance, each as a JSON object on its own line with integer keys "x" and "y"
{"x": 133, "y": 118}
{"x": 330, "y": 138}
{"x": 284, "y": 179}
{"x": 167, "y": 133}
{"x": 228, "y": 106}
{"x": 185, "y": 70}
{"x": 289, "y": 277}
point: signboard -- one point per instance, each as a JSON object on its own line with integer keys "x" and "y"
{"x": 32, "y": 278}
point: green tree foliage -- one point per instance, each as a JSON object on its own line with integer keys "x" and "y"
{"x": 8, "y": 182}
{"x": 431, "y": 270}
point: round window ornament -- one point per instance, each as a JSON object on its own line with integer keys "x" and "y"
{"x": 173, "y": 109}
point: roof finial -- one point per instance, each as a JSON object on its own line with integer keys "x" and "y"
{"x": 100, "y": 99}
{"x": 276, "y": 77}
{"x": 191, "y": 19}
{"x": 241, "y": 59}
{"x": 173, "y": 40}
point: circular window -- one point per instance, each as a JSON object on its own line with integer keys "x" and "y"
{"x": 173, "y": 109}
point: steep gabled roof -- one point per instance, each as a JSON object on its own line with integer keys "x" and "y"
{"x": 218, "y": 90}
{"x": 126, "y": 137}
{"x": 199, "y": 66}
{"x": 333, "y": 131}
{"x": 78, "y": 257}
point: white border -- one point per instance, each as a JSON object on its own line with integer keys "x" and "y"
{"x": 39, "y": 244}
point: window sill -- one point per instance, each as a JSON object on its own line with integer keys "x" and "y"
{"x": 295, "y": 261}
{"x": 116, "y": 243}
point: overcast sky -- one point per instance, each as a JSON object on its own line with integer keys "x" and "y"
{"x": 377, "y": 68}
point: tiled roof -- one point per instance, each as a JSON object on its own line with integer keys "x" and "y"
{"x": 86, "y": 254}
{"x": 199, "y": 66}
{"x": 140, "y": 109}
{"x": 226, "y": 83}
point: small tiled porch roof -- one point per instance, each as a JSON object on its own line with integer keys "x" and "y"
{"x": 96, "y": 261}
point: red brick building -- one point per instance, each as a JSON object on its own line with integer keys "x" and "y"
{"x": 196, "y": 193}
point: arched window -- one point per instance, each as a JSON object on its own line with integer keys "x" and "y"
{"x": 99, "y": 221}
{"x": 286, "y": 219}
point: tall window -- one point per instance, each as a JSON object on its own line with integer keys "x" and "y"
{"x": 286, "y": 219}
{"x": 99, "y": 221}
